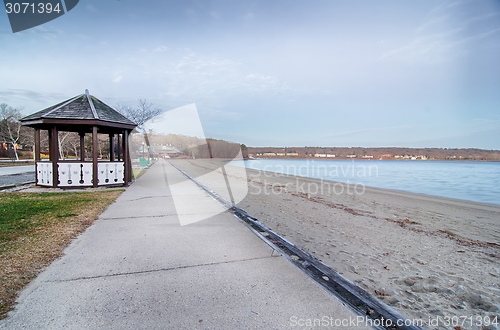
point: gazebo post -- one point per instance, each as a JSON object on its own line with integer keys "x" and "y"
{"x": 82, "y": 146}
{"x": 126, "y": 162}
{"x": 95, "y": 165}
{"x": 54, "y": 154}
{"x": 111, "y": 147}
{"x": 36, "y": 152}
{"x": 37, "y": 145}
{"x": 118, "y": 146}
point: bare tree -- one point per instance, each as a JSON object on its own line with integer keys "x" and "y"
{"x": 69, "y": 142}
{"x": 140, "y": 115}
{"x": 61, "y": 140}
{"x": 10, "y": 126}
{"x": 103, "y": 145}
{"x": 74, "y": 145}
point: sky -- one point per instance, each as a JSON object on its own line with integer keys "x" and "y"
{"x": 367, "y": 73}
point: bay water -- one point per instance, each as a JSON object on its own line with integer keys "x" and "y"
{"x": 471, "y": 181}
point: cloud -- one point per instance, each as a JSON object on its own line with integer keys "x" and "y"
{"x": 117, "y": 79}
{"x": 29, "y": 94}
{"x": 481, "y": 18}
{"x": 443, "y": 35}
{"x": 43, "y": 31}
{"x": 160, "y": 49}
{"x": 220, "y": 114}
{"x": 263, "y": 82}
{"x": 433, "y": 47}
{"x": 478, "y": 36}
{"x": 15, "y": 97}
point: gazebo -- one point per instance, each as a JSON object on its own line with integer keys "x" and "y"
{"x": 84, "y": 114}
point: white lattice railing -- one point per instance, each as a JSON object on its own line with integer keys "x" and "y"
{"x": 77, "y": 174}
{"x": 44, "y": 174}
{"x": 111, "y": 173}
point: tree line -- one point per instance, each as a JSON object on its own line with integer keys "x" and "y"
{"x": 17, "y": 140}
{"x": 379, "y": 153}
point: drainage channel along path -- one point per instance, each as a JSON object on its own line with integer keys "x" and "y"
{"x": 137, "y": 267}
{"x": 434, "y": 260}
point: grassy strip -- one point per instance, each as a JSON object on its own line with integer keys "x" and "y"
{"x": 35, "y": 228}
{"x": 138, "y": 172}
{"x": 9, "y": 164}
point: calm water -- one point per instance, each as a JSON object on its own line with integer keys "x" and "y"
{"x": 473, "y": 181}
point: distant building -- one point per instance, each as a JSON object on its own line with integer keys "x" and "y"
{"x": 163, "y": 151}
{"x": 324, "y": 155}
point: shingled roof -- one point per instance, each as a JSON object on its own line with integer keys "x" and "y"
{"x": 81, "y": 107}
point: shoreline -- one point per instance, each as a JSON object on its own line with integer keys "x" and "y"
{"x": 386, "y": 175}
{"x": 409, "y": 198}
{"x": 424, "y": 256}
{"x": 376, "y": 160}
{"x": 449, "y": 200}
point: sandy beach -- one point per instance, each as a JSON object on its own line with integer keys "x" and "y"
{"x": 427, "y": 257}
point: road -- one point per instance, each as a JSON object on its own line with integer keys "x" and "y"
{"x": 9, "y": 170}
{"x": 16, "y": 174}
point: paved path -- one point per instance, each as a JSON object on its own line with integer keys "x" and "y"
{"x": 12, "y": 175}
{"x": 9, "y": 170}
{"x": 137, "y": 268}
{"x": 8, "y": 180}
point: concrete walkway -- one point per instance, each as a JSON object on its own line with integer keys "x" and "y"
{"x": 138, "y": 268}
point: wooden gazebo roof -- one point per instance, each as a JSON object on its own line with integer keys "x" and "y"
{"x": 82, "y": 110}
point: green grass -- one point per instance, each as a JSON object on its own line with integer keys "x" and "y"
{"x": 35, "y": 228}
{"x": 138, "y": 172}
{"x": 20, "y": 213}
{"x": 12, "y": 163}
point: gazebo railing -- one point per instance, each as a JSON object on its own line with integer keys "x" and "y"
{"x": 80, "y": 174}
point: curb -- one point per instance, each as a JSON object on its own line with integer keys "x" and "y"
{"x": 9, "y": 186}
